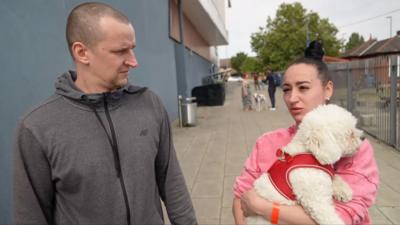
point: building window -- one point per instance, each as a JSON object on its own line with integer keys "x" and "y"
{"x": 174, "y": 20}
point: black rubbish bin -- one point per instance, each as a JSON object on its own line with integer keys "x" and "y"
{"x": 209, "y": 95}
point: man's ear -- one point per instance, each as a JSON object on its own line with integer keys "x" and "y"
{"x": 80, "y": 52}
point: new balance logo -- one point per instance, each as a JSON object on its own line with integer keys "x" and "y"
{"x": 143, "y": 132}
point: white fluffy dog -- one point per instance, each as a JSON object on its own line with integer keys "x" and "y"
{"x": 261, "y": 101}
{"x": 328, "y": 132}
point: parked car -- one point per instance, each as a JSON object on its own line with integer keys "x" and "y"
{"x": 235, "y": 79}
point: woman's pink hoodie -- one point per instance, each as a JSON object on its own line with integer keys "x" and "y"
{"x": 359, "y": 171}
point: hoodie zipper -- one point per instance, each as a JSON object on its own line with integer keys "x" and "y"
{"x": 114, "y": 145}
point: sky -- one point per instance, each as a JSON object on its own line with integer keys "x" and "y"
{"x": 246, "y": 16}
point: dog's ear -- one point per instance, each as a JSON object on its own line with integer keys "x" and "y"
{"x": 353, "y": 141}
{"x": 322, "y": 145}
{"x": 330, "y": 132}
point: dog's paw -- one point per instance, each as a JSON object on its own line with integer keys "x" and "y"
{"x": 341, "y": 190}
{"x": 342, "y": 196}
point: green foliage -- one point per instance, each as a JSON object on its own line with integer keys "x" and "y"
{"x": 251, "y": 64}
{"x": 238, "y": 60}
{"x": 284, "y": 38}
{"x": 355, "y": 40}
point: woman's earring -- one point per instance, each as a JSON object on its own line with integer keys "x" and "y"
{"x": 327, "y": 99}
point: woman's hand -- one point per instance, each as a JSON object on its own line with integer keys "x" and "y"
{"x": 252, "y": 204}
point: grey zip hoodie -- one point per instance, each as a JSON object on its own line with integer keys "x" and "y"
{"x": 98, "y": 159}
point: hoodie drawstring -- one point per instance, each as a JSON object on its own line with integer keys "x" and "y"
{"x": 112, "y": 141}
{"x": 114, "y": 146}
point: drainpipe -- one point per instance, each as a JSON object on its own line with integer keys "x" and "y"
{"x": 182, "y": 79}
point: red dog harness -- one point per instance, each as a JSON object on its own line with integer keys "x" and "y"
{"x": 279, "y": 171}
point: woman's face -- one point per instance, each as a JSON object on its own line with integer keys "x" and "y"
{"x": 303, "y": 90}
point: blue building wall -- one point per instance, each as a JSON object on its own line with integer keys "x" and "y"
{"x": 197, "y": 68}
{"x": 34, "y": 53}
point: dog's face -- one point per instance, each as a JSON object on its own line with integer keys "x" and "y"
{"x": 259, "y": 97}
{"x": 330, "y": 132}
{"x": 255, "y": 95}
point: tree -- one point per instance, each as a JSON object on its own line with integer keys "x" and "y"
{"x": 284, "y": 38}
{"x": 238, "y": 60}
{"x": 355, "y": 40}
{"x": 251, "y": 64}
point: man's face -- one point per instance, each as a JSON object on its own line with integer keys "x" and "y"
{"x": 111, "y": 58}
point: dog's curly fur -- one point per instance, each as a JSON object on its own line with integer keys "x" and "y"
{"x": 329, "y": 132}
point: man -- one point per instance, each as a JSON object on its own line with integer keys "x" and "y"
{"x": 99, "y": 151}
{"x": 273, "y": 82}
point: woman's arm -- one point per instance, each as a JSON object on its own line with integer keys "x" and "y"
{"x": 237, "y": 212}
{"x": 245, "y": 182}
{"x": 360, "y": 172}
{"x": 252, "y": 205}
{"x": 255, "y": 164}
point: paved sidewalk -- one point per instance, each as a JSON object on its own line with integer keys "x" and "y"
{"x": 212, "y": 154}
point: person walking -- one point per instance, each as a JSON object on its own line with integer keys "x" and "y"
{"x": 273, "y": 82}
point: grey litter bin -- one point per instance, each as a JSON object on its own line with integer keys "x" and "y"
{"x": 189, "y": 112}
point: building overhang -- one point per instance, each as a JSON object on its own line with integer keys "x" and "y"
{"x": 207, "y": 20}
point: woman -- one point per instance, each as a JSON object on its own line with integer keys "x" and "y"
{"x": 246, "y": 94}
{"x": 306, "y": 84}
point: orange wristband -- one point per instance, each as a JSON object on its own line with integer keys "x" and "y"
{"x": 275, "y": 213}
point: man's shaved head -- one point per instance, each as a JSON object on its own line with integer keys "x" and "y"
{"x": 83, "y": 23}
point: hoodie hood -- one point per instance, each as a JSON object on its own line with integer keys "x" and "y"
{"x": 65, "y": 86}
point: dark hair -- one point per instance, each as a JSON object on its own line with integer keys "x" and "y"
{"x": 313, "y": 55}
{"x": 83, "y": 22}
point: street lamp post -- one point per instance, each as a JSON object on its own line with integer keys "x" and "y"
{"x": 307, "y": 32}
{"x": 390, "y": 19}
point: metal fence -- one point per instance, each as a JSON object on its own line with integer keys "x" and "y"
{"x": 369, "y": 88}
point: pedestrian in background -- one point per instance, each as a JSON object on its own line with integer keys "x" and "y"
{"x": 273, "y": 83}
{"x": 256, "y": 81}
{"x": 262, "y": 79}
{"x": 246, "y": 94}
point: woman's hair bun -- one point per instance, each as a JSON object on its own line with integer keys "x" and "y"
{"x": 314, "y": 51}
